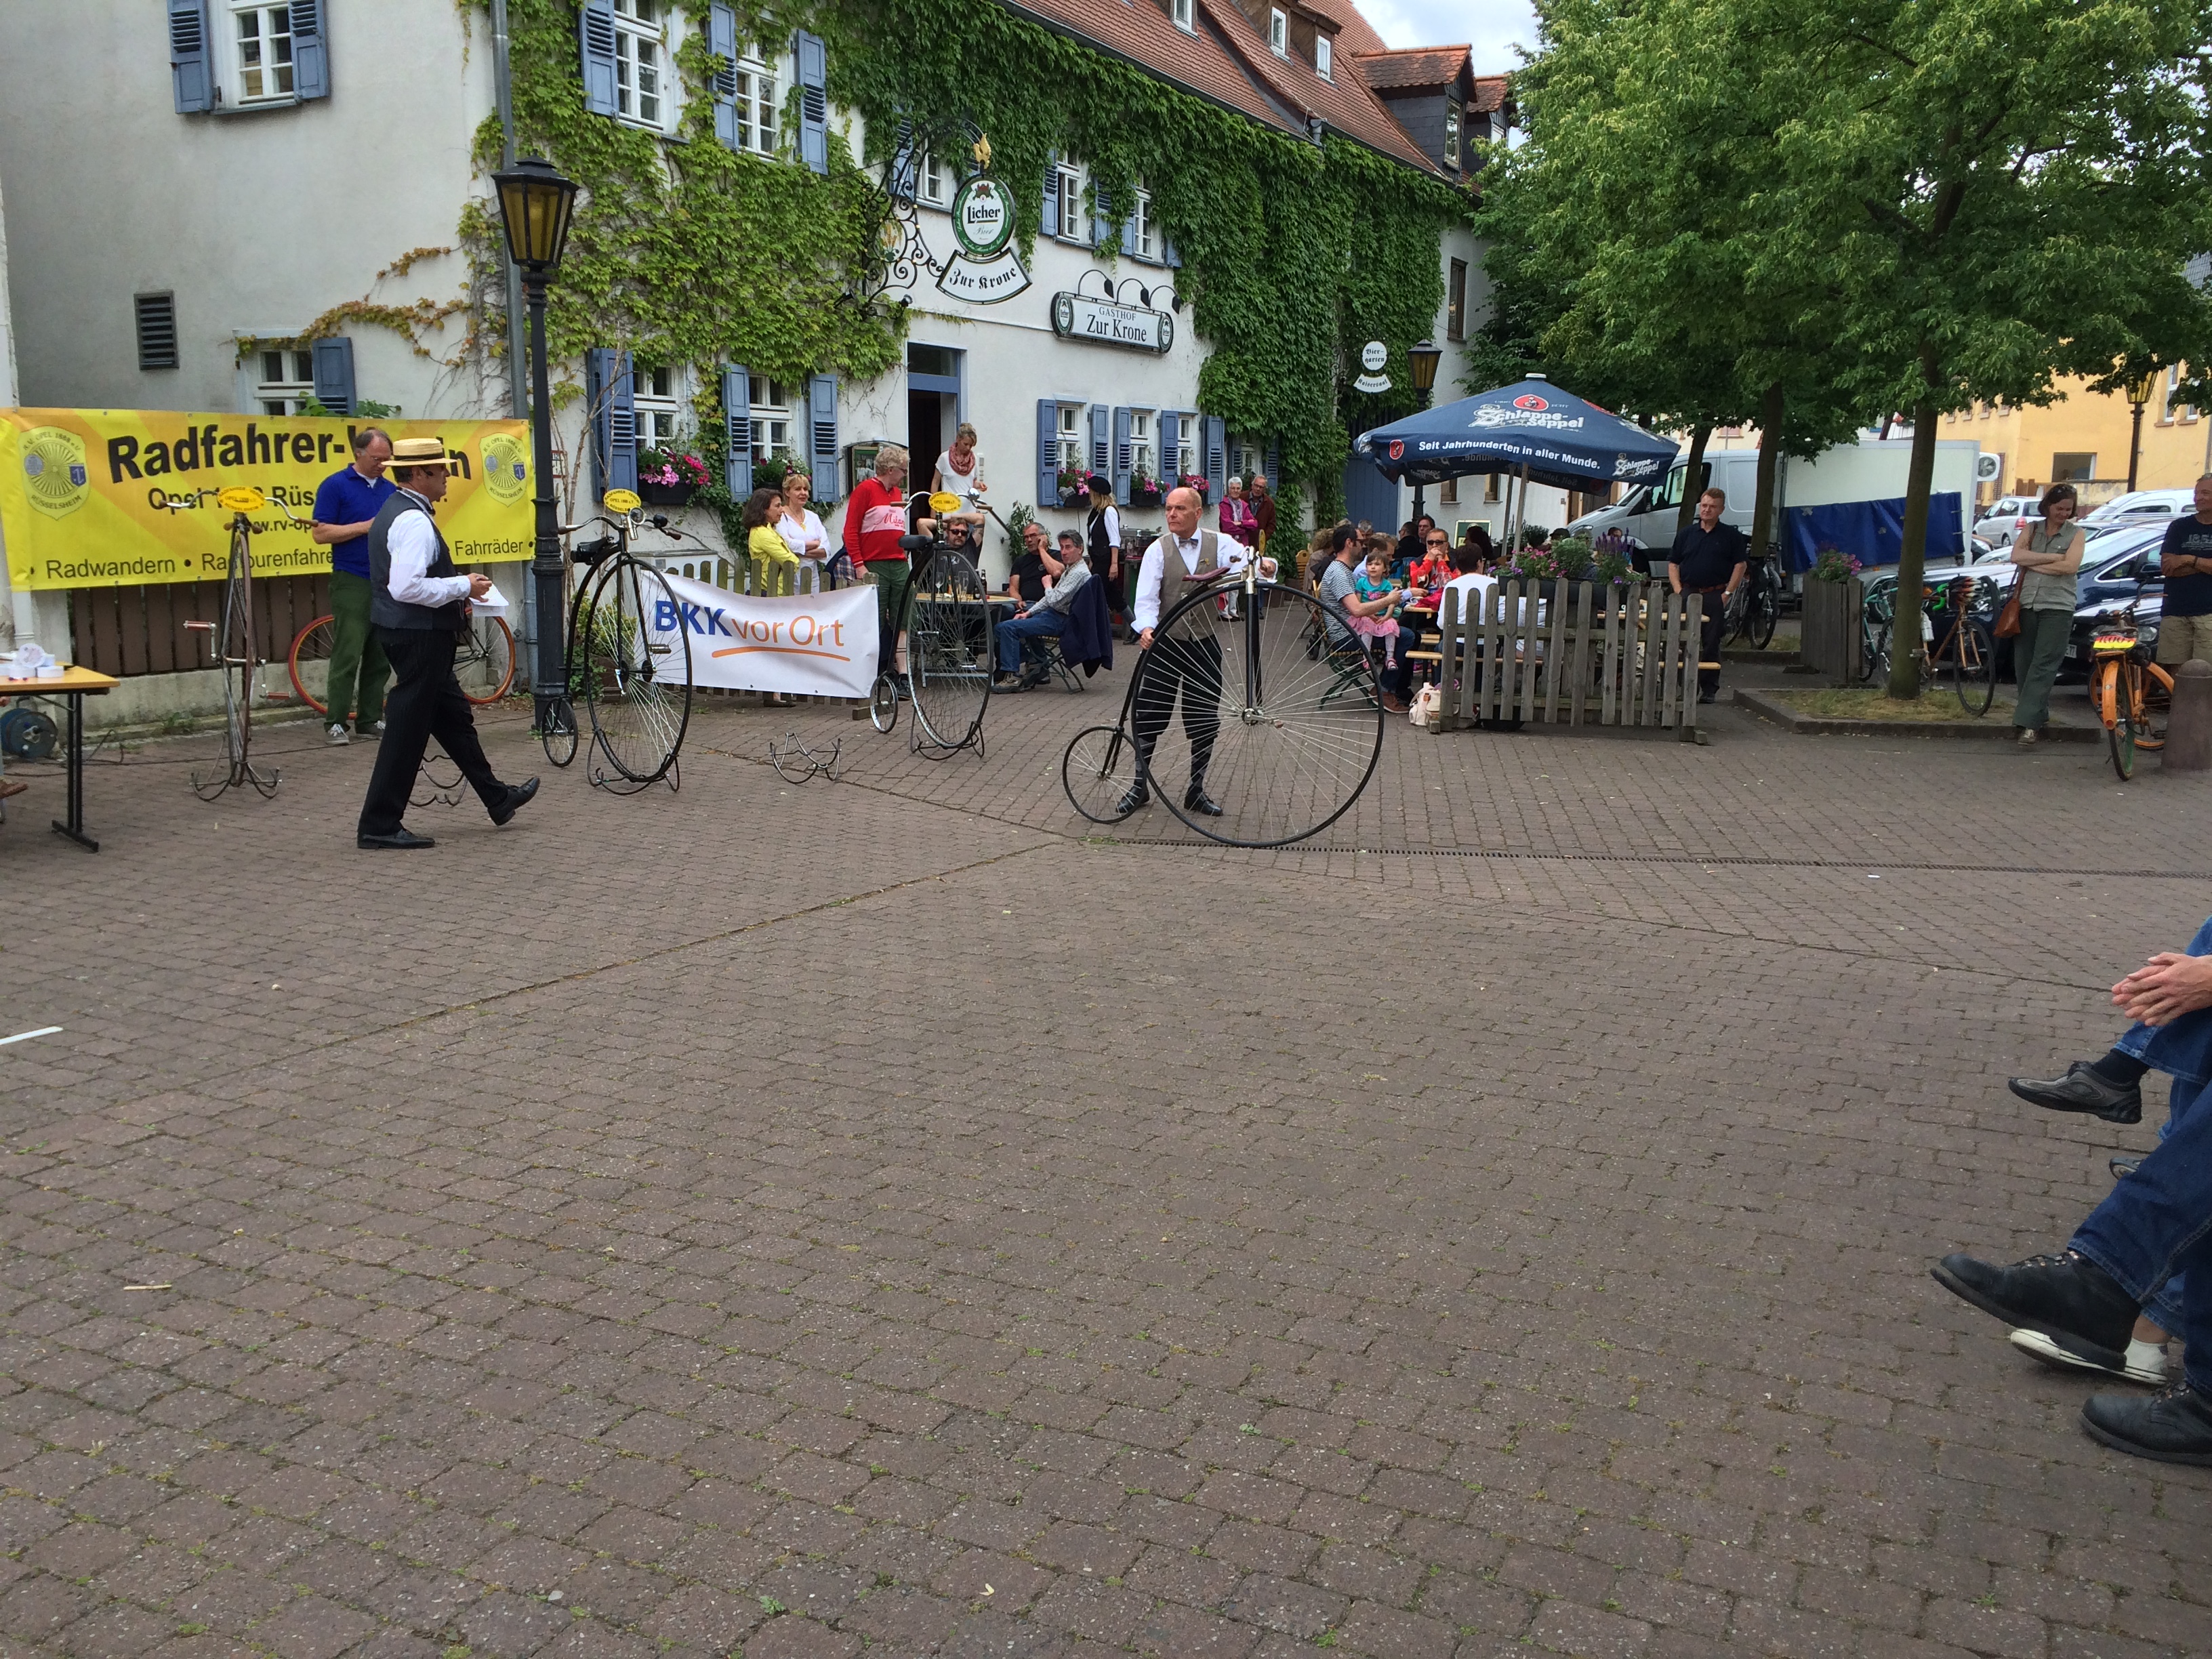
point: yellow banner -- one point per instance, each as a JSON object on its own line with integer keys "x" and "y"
{"x": 115, "y": 497}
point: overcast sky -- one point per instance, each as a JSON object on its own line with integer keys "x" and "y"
{"x": 1494, "y": 27}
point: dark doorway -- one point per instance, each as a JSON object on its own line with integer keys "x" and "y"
{"x": 925, "y": 435}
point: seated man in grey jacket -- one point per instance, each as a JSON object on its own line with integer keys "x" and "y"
{"x": 1048, "y": 618}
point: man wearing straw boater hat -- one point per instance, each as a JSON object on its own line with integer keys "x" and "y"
{"x": 418, "y": 603}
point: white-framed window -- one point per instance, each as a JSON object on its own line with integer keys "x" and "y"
{"x": 756, "y": 97}
{"x": 1186, "y": 456}
{"x": 1069, "y": 438}
{"x": 1279, "y": 34}
{"x": 655, "y": 394}
{"x": 1147, "y": 235}
{"x": 644, "y": 87}
{"x": 771, "y": 410}
{"x": 1182, "y": 11}
{"x": 261, "y": 52}
{"x": 933, "y": 182}
{"x": 1324, "y": 57}
{"x": 1451, "y": 132}
{"x": 1243, "y": 458}
{"x": 1142, "y": 445}
{"x": 1073, "y": 220}
{"x": 286, "y": 378}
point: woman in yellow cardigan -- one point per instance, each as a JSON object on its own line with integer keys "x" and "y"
{"x": 764, "y": 541}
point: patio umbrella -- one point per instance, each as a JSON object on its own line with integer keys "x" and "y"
{"x": 1548, "y": 436}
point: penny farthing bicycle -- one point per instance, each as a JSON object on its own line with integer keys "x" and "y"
{"x": 1286, "y": 737}
{"x": 946, "y": 620}
{"x": 628, "y": 662}
{"x": 233, "y": 645}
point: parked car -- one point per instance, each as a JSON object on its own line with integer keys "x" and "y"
{"x": 2142, "y": 504}
{"x": 2121, "y": 567}
{"x": 2004, "y": 519}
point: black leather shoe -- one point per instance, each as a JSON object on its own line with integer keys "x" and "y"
{"x": 401, "y": 840}
{"x": 2174, "y": 1426}
{"x": 2081, "y": 1090}
{"x": 1196, "y": 800}
{"x": 516, "y": 797}
{"x": 2068, "y": 1298}
{"x": 1136, "y": 798}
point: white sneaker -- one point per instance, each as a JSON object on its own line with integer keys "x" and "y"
{"x": 338, "y": 734}
{"x": 2027, "y": 736}
{"x": 2145, "y": 1361}
{"x": 380, "y": 728}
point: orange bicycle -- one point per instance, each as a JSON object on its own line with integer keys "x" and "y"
{"x": 2130, "y": 693}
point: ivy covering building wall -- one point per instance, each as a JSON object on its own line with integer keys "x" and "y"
{"x": 1294, "y": 253}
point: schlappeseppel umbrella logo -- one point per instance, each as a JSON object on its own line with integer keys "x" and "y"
{"x": 1530, "y": 400}
{"x": 1397, "y": 449}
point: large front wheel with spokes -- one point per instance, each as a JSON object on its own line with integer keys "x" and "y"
{"x": 636, "y": 670}
{"x": 1253, "y": 741}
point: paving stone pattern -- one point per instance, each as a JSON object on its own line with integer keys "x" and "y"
{"x": 875, "y": 1217}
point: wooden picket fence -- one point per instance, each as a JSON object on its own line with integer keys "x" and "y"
{"x": 1576, "y": 654}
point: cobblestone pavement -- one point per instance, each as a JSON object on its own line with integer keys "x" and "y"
{"x": 872, "y": 1217}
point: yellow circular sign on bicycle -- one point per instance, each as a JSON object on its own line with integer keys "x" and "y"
{"x": 622, "y": 502}
{"x": 240, "y": 498}
{"x": 945, "y": 502}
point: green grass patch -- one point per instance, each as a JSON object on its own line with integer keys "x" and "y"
{"x": 1871, "y": 702}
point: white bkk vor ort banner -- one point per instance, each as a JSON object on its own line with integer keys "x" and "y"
{"x": 820, "y": 645}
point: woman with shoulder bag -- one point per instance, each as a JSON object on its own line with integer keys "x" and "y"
{"x": 2049, "y": 555}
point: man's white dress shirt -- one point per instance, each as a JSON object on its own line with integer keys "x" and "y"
{"x": 1151, "y": 574}
{"x": 412, "y": 542}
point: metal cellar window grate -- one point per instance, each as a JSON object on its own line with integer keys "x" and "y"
{"x": 157, "y": 331}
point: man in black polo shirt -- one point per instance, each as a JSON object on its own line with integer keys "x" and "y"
{"x": 2184, "y": 625}
{"x": 1708, "y": 558}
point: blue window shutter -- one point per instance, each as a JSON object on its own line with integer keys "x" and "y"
{"x": 334, "y": 374}
{"x": 737, "y": 416}
{"x": 1102, "y": 222}
{"x": 1121, "y": 456}
{"x": 1170, "y": 255}
{"x": 1048, "y": 451}
{"x": 611, "y": 400}
{"x": 597, "y": 27}
{"x": 905, "y": 166}
{"x": 1048, "y": 214}
{"x": 1102, "y": 458}
{"x": 722, "y": 43}
{"x": 191, "y": 70}
{"x": 1170, "y": 429}
{"x": 1275, "y": 465}
{"x": 813, "y": 68}
{"x": 310, "y": 51}
{"x": 822, "y": 434}
{"x": 1129, "y": 236}
{"x": 1217, "y": 459}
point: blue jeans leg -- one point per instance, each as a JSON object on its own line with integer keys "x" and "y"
{"x": 1011, "y": 632}
{"x": 2183, "y": 1050}
{"x": 2157, "y": 1225}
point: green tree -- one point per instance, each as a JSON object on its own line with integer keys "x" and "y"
{"x": 1999, "y": 194}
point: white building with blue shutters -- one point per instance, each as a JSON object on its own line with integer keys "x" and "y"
{"x": 193, "y": 183}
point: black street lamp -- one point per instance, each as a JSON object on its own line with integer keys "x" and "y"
{"x": 535, "y": 204}
{"x": 2139, "y": 394}
{"x": 1423, "y": 359}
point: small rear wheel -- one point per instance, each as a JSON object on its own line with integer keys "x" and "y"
{"x": 882, "y": 704}
{"x": 558, "y": 734}
{"x": 1098, "y": 771}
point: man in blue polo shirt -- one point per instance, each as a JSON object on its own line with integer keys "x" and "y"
{"x": 345, "y": 507}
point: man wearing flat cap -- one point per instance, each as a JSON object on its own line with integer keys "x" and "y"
{"x": 419, "y": 605}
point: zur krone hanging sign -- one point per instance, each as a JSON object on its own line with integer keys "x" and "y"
{"x": 984, "y": 268}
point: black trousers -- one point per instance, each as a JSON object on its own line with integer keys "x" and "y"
{"x": 1116, "y": 600}
{"x": 1192, "y": 669}
{"x": 425, "y": 702}
{"x": 1708, "y": 638}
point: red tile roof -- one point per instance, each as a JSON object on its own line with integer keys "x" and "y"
{"x": 1144, "y": 34}
{"x": 1414, "y": 66}
{"x": 1346, "y": 103}
{"x": 1353, "y": 32}
{"x": 1492, "y": 92}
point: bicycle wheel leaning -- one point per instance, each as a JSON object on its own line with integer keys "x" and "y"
{"x": 1761, "y": 613}
{"x": 1974, "y": 666}
{"x": 313, "y": 644}
{"x": 2115, "y": 707}
{"x": 1098, "y": 770}
{"x": 948, "y": 651}
{"x": 484, "y": 664}
{"x": 1279, "y": 745}
{"x": 637, "y": 679}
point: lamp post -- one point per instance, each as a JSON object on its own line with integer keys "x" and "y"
{"x": 1423, "y": 359}
{"x": 535, "y": 204}
{"x": 2139, "y": 394}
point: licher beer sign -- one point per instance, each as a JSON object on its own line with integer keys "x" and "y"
{"x": 110, "y": 497}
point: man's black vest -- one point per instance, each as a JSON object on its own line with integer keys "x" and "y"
{"x": 384, "y": 611}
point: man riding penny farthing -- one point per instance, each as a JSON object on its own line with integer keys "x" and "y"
{"x": 1275, "y": 744}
